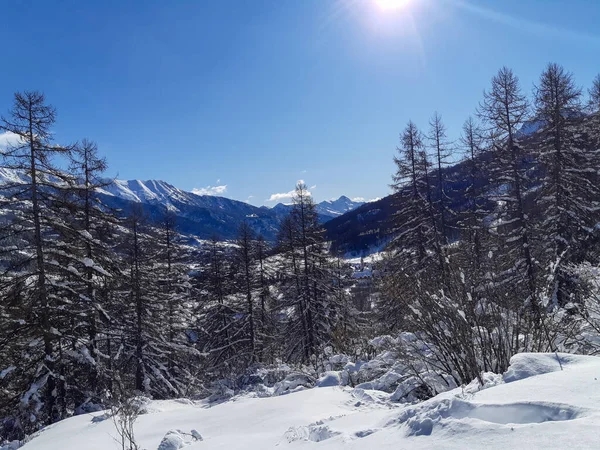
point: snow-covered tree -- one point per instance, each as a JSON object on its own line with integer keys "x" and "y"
{"x": 91, "y": 237}
{"x": 149, "y": 335}
{"x": 267, "y": 313}
{"x": 35, "y": 315}
{"x": 244, "y": 258}
{"x": 504, "y": 110}
{"x": 219, "y": 320}
{"x": 471, "y": 219}
{"x": 307, "y": 288}
{"x": 569, "y": 195}
{"x": 176, "y": 294}
{"x": 413, "y": 231}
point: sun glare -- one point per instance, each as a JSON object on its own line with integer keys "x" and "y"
{"x": 389, "y": 5}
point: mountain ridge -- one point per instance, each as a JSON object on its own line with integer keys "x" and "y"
{"x": 203, "y": 216}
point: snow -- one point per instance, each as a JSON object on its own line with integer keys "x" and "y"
{"x": 327, "y": 209}
{"x": 11, "y": 176}
{"x": 5, "y": 372}
{"x": 534, "y": 404}
{"x": 334, "y": 208}
{"x": 330, "y": 378}
{"x": 525, "y": 365}
{"x": 176, "y": 439}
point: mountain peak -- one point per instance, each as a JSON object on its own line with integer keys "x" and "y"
{"x": 327, "y": 209}
{"x": 334, "y": 208}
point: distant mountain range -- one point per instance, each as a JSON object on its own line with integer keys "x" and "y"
{"x": 202, "y": 216}
{"x": 327, "y": 210}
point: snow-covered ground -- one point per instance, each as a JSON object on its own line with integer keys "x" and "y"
{"x": 534, "y": 405}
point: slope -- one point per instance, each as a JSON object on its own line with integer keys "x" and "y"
{"x": 534, "y": 405}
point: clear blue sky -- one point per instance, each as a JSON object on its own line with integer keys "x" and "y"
{"x": 257, "y": 94}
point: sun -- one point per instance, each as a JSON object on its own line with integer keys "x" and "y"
{"x": 389, "y": 5}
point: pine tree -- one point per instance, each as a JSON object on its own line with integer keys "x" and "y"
{"x": 416, "y": 237}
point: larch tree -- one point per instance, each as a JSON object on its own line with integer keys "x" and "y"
{"x": 219, "y": 322}
{"x": 306, "y": 284}
{"x": 144, "y": 322}
{"x": 92, "y": 235}
{"x": 413, "y": 230}
{"x": 504, "y": 110}
{"x": 35, "y": 305}
{"x": 245, "y": 260}
{"x": 471, "y": 219}
{"x": 307, "y": 236}
{"x": 267, "y": 324}
{"x": 441, "y": 153}
{"x": 569, "y": 194}
{"x": 176, "y": 295}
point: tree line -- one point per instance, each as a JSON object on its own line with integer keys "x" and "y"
{"x": 493, "y": 275}
{"x": 98, "y": 304}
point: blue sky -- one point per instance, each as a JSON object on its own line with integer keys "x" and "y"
{"x": 257, "y": 94}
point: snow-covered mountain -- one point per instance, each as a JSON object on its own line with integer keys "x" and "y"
{"x": 327, "y": 210}
{"x": 335, "y": 208}
{"x": 203, "y": 216}
{"x": 160, "y": 192}
{"x": 200, "y": 215}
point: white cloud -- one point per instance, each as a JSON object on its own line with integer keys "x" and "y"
{"x": 313, "y": 187}
{"x": 281, "y": 196}
{"x": 210, "y": 190}
{"x": 287, "y": 195}
{"x": 7, "y": 138}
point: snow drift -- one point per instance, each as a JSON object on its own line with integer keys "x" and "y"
{"x": 542, "y": 401}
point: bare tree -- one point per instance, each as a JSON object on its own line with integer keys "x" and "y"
{"x": 245, "y": 257}
{"x": 441, "y": 154}
{"x": 124, "y": 416}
